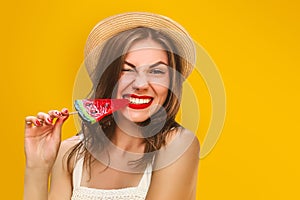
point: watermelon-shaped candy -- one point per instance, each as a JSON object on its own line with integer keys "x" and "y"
{"x": 93, "y": 110}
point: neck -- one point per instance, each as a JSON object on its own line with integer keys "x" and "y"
{"x": 128, "y": 137}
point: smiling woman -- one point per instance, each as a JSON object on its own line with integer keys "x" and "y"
{"x": 135, "y": 152}
{"x": 144, "y": 79}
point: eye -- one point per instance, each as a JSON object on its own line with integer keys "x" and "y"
{"x": 157, "y": 71}
{"x": 127, "y": 69}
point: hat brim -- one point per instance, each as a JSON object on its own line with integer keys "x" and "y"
{"x": 113, "y": 25}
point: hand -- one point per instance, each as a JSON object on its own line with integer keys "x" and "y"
{"x": 42, "y": 138}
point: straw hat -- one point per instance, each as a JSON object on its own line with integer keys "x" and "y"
{"x": 111, "y": 26}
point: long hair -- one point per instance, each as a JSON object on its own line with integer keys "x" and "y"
{"x": 105, "y": 78}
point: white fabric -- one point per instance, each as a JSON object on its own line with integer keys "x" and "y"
{"x": 130, "y": 193}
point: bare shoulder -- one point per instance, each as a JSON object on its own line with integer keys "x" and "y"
{"x": 180, "y": 142}
{"x": 61, "y": 178}
{"x": 190, "y": 137}
{"x": 66, "y": 147}
{"x": 182, "y": 134}
{"x": 70, "y": 142}
{"x": 176, "y": 168}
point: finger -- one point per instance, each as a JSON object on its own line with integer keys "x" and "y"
{"x": 65, "y": 112}
{"x": 31, "y": 120}
{"x": 54, "y": 114}
{"x": 65, "y": 115}
{"x": 60, "y": 121}
{"x": 44, "y": 117}
{"x": 58, "y": 128}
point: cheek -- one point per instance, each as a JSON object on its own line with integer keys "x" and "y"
{"x": 161, "y": 91}
{"x": 124, "y": 82}
{"x": 126, "y": 79}
{"x": 161, "y": 83}
{"x": 165, "y": 93}
{"x": 161, "y": 86}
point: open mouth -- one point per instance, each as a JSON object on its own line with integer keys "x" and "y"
{"x": 138, "y": 102}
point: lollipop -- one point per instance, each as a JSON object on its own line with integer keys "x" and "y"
{"x": 93, "y": 110}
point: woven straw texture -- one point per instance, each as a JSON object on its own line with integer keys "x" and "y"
{"x": 111, "y": 26}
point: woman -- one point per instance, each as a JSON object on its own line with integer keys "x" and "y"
{"x": 139, "y": 152}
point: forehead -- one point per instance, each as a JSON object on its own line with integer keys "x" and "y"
{"x": 146, "y": 52}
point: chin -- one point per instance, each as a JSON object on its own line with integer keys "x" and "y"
{"x": 136, "y": 117}
{"x": 139, "y": 115}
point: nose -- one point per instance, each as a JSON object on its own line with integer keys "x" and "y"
{"x": 140, "y": 82}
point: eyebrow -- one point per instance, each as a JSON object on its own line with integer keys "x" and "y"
{"x": 153, "y": 65}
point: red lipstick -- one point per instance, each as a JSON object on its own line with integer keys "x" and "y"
{"x": 139, "y": 102}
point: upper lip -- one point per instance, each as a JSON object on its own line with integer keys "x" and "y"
{"x": 137, "y": 96}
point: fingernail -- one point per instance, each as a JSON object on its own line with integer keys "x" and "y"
{"x": 65, "y": 111}
{"x": 49, "y": 120}
{"x": 37, "y": 122}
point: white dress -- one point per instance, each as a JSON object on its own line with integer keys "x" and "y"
{"x": 131, "y": 193}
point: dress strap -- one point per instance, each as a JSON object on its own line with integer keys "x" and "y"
{"x": 77, "y": 173}
{"x": 146, "y": 178}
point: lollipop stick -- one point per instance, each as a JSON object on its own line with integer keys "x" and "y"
{"x": 73, "y": 113}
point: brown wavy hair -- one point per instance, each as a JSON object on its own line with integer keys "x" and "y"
{"x": 105, "y": 79}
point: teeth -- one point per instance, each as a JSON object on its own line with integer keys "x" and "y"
{"x": 139, "y": 101}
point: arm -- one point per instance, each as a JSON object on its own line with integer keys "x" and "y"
{"x": 61, "y": 179}
{"x": 36, "y": 184}
{"x": 178, "y": 180}
{"x": 41, "y": 141}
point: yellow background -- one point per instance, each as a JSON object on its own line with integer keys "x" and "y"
{"x": 255, "y": 45}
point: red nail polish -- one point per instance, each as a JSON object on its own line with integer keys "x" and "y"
{"x": 38, "y": 122}
{"x": 66, "y": 111}
{"x": 49, "y": 120}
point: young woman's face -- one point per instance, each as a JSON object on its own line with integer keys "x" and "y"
{"x": 144, "y": 80}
